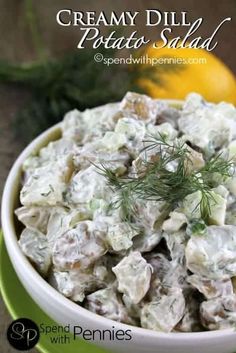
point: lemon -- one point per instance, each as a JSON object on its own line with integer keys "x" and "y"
{"x": 211, "y": 78}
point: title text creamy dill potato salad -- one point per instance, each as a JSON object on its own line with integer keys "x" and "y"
{"x": 131, "y": 213}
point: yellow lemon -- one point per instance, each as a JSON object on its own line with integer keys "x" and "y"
{"x": 202, "y": 72}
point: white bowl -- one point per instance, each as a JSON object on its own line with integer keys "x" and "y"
{"x": 65, "y": 312}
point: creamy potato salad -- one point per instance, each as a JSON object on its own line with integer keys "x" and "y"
{"x": 131, "y": 213}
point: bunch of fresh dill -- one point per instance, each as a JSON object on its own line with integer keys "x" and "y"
{"x": 160, "y": 182}
{"x": 59, "y": 85}
{"x": 73, "y": 81}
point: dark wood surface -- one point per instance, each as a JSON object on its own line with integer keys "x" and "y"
{"x": 16, "y": 46}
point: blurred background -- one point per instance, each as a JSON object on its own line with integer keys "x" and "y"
{"x": 29, "y": 32}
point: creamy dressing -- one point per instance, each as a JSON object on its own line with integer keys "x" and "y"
{"x": 167, "y": 270}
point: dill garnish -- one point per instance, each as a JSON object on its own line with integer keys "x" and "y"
{"x": 167, "y": 177}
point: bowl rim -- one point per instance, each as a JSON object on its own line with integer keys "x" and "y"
{"x": 19, "y": 259}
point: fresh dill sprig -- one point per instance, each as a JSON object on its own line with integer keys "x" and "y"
{"x": 217, "y": 165}
{"x": 167, "y": 178}
{"x": 124, "y": 192}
